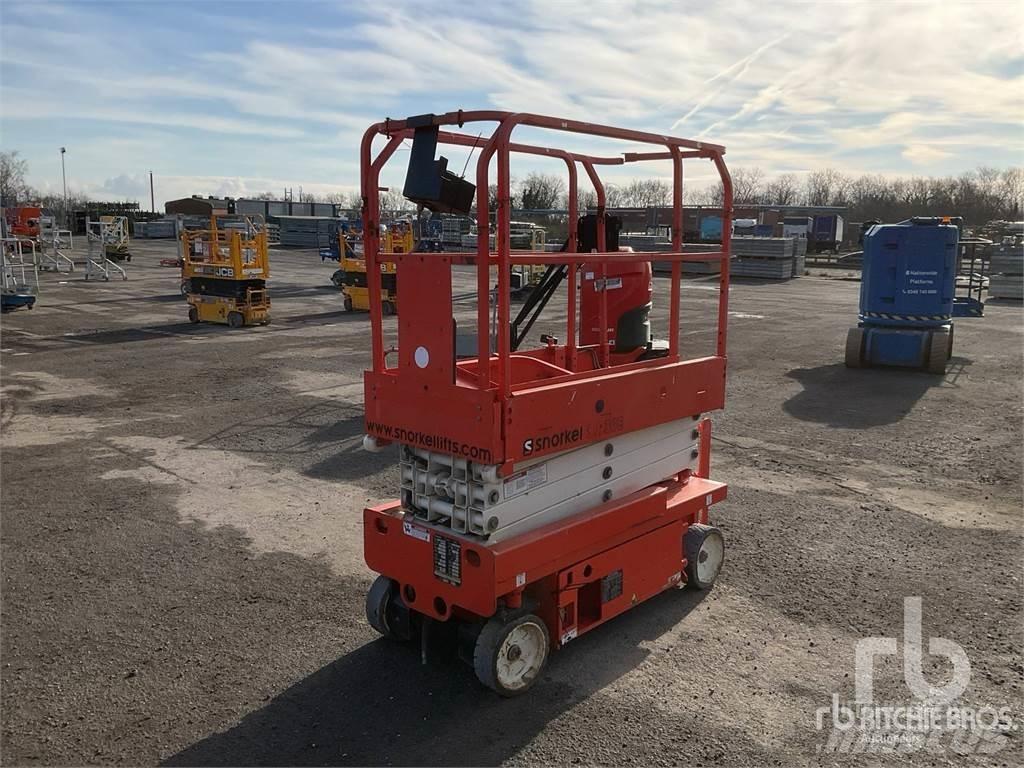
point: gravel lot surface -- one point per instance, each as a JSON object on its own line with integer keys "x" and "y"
{"x": 183, "y": 580}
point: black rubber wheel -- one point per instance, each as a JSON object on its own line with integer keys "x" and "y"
{"x": 387, "y": 308}
{"x": 509, "y": 654}
{"x": 704, "y": 547}
{"x": 378, "y": 602}
{"x": 193, "y": 315}
{"x": 347, "y": 304}
{"x": 938, "y": 352}
{"x": 949, "y": 351}
{"x": 236, "y": 319}
{"x": 855, "y": 348}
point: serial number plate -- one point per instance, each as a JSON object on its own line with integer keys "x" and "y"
{"x": 448, "y": 559}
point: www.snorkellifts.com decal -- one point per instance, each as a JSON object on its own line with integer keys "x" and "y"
{"x": 561, "y": 439}
{"x": 431, "y": 442}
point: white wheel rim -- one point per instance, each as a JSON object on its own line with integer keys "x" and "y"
{"x": 521, "y": 656}
{"x": 709, "y": 558}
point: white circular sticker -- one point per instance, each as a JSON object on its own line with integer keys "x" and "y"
{"x": 421, "y": 356}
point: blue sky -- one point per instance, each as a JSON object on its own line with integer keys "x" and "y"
{"x": 243, "y": 97}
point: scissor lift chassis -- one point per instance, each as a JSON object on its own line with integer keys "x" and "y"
{"x": 575, "y": 574}
{"x": 459, "y": 555}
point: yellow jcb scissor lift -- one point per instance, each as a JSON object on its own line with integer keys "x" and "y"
{"x": 224, "y": 271}
{"x": 525, "y": 277}
{"x": 352, "y": 275}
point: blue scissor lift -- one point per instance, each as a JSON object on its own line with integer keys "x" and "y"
{"x": 914, "y": 282}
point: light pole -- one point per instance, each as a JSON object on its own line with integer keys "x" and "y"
{"x": 64, "y": 180}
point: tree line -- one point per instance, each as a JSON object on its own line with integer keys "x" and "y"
{"x": 982, "y": 195}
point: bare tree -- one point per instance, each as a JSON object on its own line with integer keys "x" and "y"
{"x": 585, "y": 198}
{"x": 614, "y": 196}
{"x": 782, "y": 190}
{"x": 748, "y": 186}
{"x": 825, "y": 187}
{"x": 539, "y": 191}
{"x": 393, "y": 200}
{"x": 13, "y": 169}
{"x": 645, "y": 193}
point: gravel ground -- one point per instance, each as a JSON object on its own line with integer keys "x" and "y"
{"x": 181, "y": 547}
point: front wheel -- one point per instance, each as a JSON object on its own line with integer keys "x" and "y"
{"x": 236, "y": 319}
{"x": 855, "y": 348}
{"x": 193, "y": 315}
{"x": 938, "y": 352}
{"x": 704, "y": 547}
{"x": 510, "y": 653}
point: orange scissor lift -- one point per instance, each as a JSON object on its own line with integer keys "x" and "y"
{"x": 546, "y": 490}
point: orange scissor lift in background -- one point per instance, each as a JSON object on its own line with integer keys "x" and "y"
{"x": 543, "y": 490}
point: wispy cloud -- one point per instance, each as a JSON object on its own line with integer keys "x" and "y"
{"x": 280, "y": 96}
{"x": 728, "y": 75}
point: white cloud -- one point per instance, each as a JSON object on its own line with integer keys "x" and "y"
{"x": 923, "y": 154}
{"x": 786, "y": 86}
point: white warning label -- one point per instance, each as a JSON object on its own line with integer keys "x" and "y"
{"x": 415, "y": 531}
{"x": 521, "y": 482}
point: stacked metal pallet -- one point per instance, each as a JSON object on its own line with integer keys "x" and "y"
{"x": 1006, "y": 272}
{"x": 770, "y": 258}
{"x": 307, "y": 231}
{"x": 273, "y": 234}
{"x": 640, "y": 242}
{"x": 157, "y": 228}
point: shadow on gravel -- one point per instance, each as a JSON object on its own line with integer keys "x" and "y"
{"x": 185, "y": 329}
{"x": 378, "y": 705}
{"x": 853, "y": 399}
{"x": 328, "y": 434}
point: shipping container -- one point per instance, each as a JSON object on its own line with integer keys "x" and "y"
{"x": 797, "y": 226}
{"x": 711, "y": 228}
{"x": 828, "y": 232}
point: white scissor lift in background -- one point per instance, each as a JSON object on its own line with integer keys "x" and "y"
{"x": 53, "y": 244}
{"x": 100, "y": 234}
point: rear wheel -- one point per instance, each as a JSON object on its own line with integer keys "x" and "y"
{"x": 510, "y": 653}
{"x": 236, "y": 319}
{"x": 193, "y": 315}
{"x": 387, "y": 308}
{"x": 855, "y": 348}
{"x": 378, "y": 603}
{"x": 348, "y": 304}
{"x": 704, "y": 547}
{"x": 949, "y": 350}
{"x": 938, "y": 352}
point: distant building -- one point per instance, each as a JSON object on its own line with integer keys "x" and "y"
{"x": 198, "y": 205}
